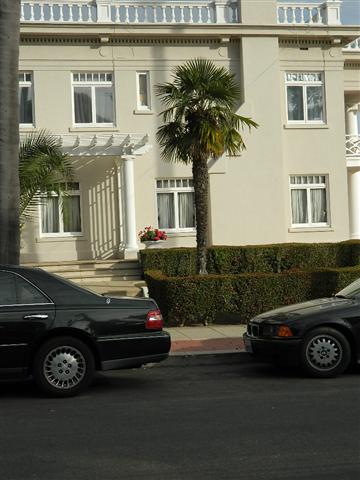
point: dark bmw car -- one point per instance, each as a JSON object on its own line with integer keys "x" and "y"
{"x": 322, "y": 336}
{"x": 60, "y": 333}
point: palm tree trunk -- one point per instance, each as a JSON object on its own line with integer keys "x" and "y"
{"x": 9, "y": 131}
{"x": 201, "y": 188}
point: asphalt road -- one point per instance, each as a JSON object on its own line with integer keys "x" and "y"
{"x": 202, "y": 419}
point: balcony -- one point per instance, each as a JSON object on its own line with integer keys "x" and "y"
{"x": 352, "y": 147}
{"x": 130, "y": 12}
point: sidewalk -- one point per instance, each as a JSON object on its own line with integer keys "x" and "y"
{"x": 201, "y": 340}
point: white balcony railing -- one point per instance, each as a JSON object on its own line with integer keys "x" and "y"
{"x": 353, "y": 46}
{"x": 352, "y": 145}
{"x": 131, "y": 11}
{"x": 306, "y": 13}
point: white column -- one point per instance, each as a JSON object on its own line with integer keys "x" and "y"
{"x": 354, "y": 203}
{"x": 131, "y": 246}
{"x": 352, "y": 120}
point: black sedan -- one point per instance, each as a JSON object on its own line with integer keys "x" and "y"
{"x": 322, "y": 336}
{"x": 60, "y": 333}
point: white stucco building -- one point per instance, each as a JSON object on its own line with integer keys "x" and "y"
{"x": 87, "y": 74}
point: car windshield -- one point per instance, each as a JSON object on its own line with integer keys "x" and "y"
{"x": 351, "y": 291}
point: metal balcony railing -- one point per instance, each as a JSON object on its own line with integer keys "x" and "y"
{"x": 352, "y": 145}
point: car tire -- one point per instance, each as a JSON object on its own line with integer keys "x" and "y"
{"x": 325, "y": 353}
{"x": 63, "y": 367}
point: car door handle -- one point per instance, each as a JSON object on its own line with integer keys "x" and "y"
{"x": 38, "y": 316}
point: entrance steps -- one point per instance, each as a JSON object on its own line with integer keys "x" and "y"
{"x": 108, "y": 277}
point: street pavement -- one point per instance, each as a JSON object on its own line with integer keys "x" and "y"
{"x": 212, "y": 339}
{"x": 209, "y": 417}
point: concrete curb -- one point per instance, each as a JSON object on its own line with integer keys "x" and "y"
{"x": 204, "y": 358}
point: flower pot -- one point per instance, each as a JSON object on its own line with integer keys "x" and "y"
{"x": 154, "y": 243}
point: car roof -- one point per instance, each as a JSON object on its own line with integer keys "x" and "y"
{"x": 58, "y": 289}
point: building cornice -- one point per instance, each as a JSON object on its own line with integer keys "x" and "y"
{"x": 342, "y": 35}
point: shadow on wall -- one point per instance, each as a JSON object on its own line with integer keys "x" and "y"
{"x": 100, "y": 205}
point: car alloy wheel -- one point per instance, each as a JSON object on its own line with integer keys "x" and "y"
{"x": 326, "y": 352}
{"x": 63, "y": 366}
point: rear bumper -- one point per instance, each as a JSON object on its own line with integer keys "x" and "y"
{"x": 286, "y": 350}
{"x": 127, "y": 351}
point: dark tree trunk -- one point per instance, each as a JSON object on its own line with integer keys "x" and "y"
{"x": 9, "y": 131}
{"x": 201, "y": 188}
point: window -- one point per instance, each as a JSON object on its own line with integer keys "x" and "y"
{"x": 61, "y": 215}
{"x": 309, "y": 200}
{"x": 305, "y": 97}
{"x": 175, "y": 204}
{"x": 143, "y": 91}
{"x": 93, "y": 98}
{"x": 25, "y": 99}
{"x": 15, "y": 290}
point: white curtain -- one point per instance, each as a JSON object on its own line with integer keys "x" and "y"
{"x": 186, "y": 210}
{"x": 318, "y": 205}
{"x": 299, "y": 206}
{"x": 50, "y": 215}
{"x": 82, "y": 103}
{"x": 295, "y": 103}
{"x": 166, "y": 211}
{"x": 315, "y": 103}
{"x": 104, "y": 104}
{"x": 71, "y": 214}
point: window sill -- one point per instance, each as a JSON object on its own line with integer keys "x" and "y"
{"x": 143, "y": 112}
{"x": 309, "y": 229}
{"x": 27, "y": 128}
{"x": 65, "y": 238}
{"x": 190, "y": 233}
{"x": 93, "y": 128}
{"x": 311, "y": 126}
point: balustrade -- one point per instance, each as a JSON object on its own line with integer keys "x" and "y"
{"x": 352, "y": 145}
{"x": 132, "y": 11}
{"x": 306, "y": 13}
{"x": 353, "y": 46}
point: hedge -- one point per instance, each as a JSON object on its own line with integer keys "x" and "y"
{"x": 188, "y": 300}
{"x": 259, "y": 258}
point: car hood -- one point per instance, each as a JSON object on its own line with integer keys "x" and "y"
{"x": 304, "y": 308}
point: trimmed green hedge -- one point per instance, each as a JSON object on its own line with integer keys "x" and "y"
{"x": 187, "y": 300}
{"x": 259, "y": 258}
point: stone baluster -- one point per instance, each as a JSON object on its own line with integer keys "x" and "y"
{"x": 127, "y": 16}
{"x": 22, "y": 13}
{"x": 61, "y": 13}
{"x": 117, "y": 14}
{"x": 51, "y": 13}
{"x": 80, "y": 13}
{"x": 191, "y": 12}
{"x": 181, "y": 14}
{"x": 162, "y": 13}
{"x": 136, "y": 13}
{"x": 172, "y": 14}
{"x": 71, "y": 18}
{"x": 41, "y": 8}
{"x": 32, "y": 15}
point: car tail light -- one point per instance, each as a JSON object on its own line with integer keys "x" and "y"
{"x": 284, "y": 331}
{"x": 154, "y": 320}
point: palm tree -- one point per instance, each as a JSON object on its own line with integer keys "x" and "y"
{"x": 200, "y": 123}
{"x": 42, "y": 168}
{"x": 9, "y": 131}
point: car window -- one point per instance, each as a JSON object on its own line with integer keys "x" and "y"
{"x": 27, "y": 293}
{"x": 7, "y": 289}
{"x": 15, "y": 290}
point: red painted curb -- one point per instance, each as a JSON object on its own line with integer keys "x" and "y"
{"x": 209, "y": 345}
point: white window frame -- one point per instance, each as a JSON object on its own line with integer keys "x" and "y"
{"x": 308, "y": 187}
{"x": 23, "y": 82}
{"x": 92, "y": 84}
{"x": 140, "y": 107}
{"x": 61, "y": 233}
{"x": 304, "y": 84}
{"x": 175, "y": 191}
